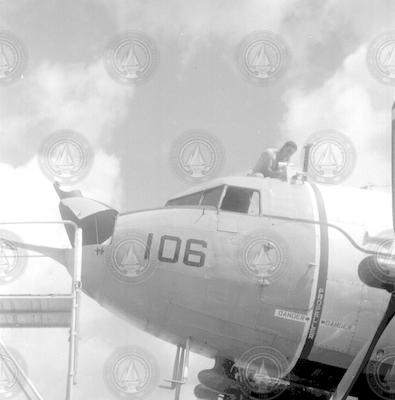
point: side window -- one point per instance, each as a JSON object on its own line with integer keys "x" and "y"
{"x": 190, "y": 200}
{"x": 241, "y": 200}
{"x": 212, "y": 197}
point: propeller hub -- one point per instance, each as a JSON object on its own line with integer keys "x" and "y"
{"x": 378, "y": 272}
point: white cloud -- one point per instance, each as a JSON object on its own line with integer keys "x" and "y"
{"x": 191, "y": 24}
{"x": 55, "y": 97}
{"x": 84, "y": 99}
{"x": 29, "y": 196}
{"x": 103, "y": 182}
{"x": 203, "y": 18}
{"x": 52, "y": 97}
{"x": 350, "y": 101}
{"x": 60, "y": 96}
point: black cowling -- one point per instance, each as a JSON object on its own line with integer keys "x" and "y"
{"x": 96, "y": 219}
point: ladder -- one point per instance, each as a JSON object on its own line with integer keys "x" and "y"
{"x": 45, "y": 311}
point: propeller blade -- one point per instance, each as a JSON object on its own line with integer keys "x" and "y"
{"x": 362, "y": 358}
{"x": 393, "y": 165}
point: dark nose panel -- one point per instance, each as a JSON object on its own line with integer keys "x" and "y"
{"x": 96, "y": 219}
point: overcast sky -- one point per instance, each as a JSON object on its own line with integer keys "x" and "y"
{"x": 196, "y": 85}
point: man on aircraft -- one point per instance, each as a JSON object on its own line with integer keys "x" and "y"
{"x": 272, "y": 162}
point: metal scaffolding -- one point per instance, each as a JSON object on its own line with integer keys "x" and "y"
{"x": 45, "y": 311}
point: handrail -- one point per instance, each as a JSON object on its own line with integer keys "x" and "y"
{"x": 75, "y": 296}
{"x": 20, "y": 372}
{"x": 61, "y": 222}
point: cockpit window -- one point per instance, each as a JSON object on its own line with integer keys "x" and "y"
{"x": 242, "y": 200}
{"x": 212, "y": 197}
{"x": 190, "y": 200}
{"x": 236, "y": 199}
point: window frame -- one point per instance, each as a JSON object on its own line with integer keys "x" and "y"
{"x": 240, "y": 212}
{"x": 220, "y": 197}
{"x": 200, "y": 205}
{"x": 183, "y": 197}
{"x": 225, "y": 187}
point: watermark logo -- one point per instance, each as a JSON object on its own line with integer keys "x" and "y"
{"x": 261, "y": 372}
{"x": 384, "y": 260}
{"x": 65, "y": 157}
{"x": 197, "y": 157}
{"x": 263, "y": 57}
{"x": 264, "y": 256}
{"x": 131, "y": 57}
{"x": 130, "y": 258}
{"x": 332, "y": 157}
{"x": 12, "y": 259}
{"x": 380, "y": 373}
{"x": 13, "y": 58}
{"x": 10, "y": 360}
{"x": 131, "y": 373}
{"x": 381, "y": 58}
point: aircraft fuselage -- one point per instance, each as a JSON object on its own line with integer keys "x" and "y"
{"x": 234, "y": 280}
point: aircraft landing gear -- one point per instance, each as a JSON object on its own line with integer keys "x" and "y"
{"x": 180, "y": 369}
{"x": 220, "y": 380}
{"x": 224, "y": 382}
